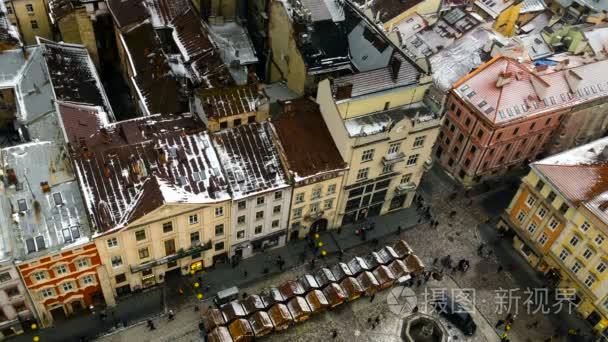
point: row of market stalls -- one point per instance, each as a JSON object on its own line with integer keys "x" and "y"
{"x": 294, "y": 301}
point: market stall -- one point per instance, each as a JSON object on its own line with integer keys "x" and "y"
{"x": 352, "y": 288}
{"x": 280, "y": 316}
{"x": 316, "y": 301}
{"x": 385, "y": 277}
{"x": 335, "y": 294}
{"x": 241, "y": 331}
{"x": 299, "y": 309}
{"x": 261, "y": 324}
{"x": 368, "y": 282}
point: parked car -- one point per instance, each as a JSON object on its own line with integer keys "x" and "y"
{"x": 455, "y": 313}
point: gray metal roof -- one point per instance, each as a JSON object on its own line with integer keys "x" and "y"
{"x": 41, "y": 220}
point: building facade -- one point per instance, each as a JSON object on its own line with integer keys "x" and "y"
{"x": 30, "y": 18}
{"x": 384, "y": 131}
{"x": 316, "y": 170}
{"x": 16, "y": 308}
{"x": 560, "y": 224}
{"x": 259, "y": 187}
{"x": 486, "y": 134}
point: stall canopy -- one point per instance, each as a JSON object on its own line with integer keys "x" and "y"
{"x": 219, "y": 334}
{"x": 232, "y": 311}
{"x": 373, "y": 260}
{"x": 272, "y": 296}
{"x": 308, "y": 282}
{"x": 414, "y": 264}
{"x": 299, "y": 309}
{"x": 335, "y": 294}
{"x": 402, "y": 249}
{"x": 385, "y": 276}
{"x": 387, "y": 254}
{"x": 241, "y": 331}
{"x": 212, "y": 318}
{"x": 253, "y": 303}
{"x": 399, "y": 268}
{"x": 369, "y": 283}
{"x": 316, "y": 301}
{"x": 290, "y": 289}
{"x": 358, "y": 265}
{"x": 260, "y": 323}
{"x": 324, "y": 277}
{"x": 352, "y": 288}
{"x": 280, "y": 316}
{"x": 341, "y": 271}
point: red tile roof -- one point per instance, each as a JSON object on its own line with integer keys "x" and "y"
{"x": 225, "y": 102}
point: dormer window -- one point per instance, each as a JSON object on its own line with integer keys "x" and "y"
{"x": 22, "y": 204}
{"x": 58, "y": 199}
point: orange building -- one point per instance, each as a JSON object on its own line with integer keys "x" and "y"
{"x": 63, "y": 283}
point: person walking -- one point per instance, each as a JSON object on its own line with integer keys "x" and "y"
{"x": 372, "y": 297}
{"x": 499, "y": 323}
{"x": 334, "y": 333}
{"x": 171, "y": 315}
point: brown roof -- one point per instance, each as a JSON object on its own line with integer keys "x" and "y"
{"x": 384, "y": 275}
{"x": 351, "y": 287}
{"x": 213, "y": 318}
{"x": 127, "y": 12}
{"x": 220, "y": 334}
{"x": 334, "y": 294}
{"x": 129, "y": 168}
{"x": 271, "y": 296}
{"x": 157, "y": 88}
{"x": 280, "y": 316}
{"x": 316, "y": 300}
{"x": 299, "y": 308}
{"x": 241, "y": 331}
{"x": 290, "y": 289}
{"x": 166, "y": 10}
{"x": 301, "y": 121}
{"x": 414, "y": 263}
{"x": 399, "y": 268}
{"x": 227, "y": 101}
{"x": 59, "y": 8}
{"x": 261, "y": 324}
{"x": 368, "y": 282}
{"x": 386, "y": 10}
{"x": 253, "y": 303}
{"x": 402, "y": 248}
{"x": 233, "y": 310}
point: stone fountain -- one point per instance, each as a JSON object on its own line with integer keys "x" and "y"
{"x": 423, "y": 328}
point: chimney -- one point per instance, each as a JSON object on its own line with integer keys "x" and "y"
{"x": 395, "y": 66}
{"x": 503, "y": 79}
{"x": 344, "y": 91}
{"x": 541, "y": 67}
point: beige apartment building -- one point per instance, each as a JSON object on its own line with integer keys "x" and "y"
{"x": 31, "y": 18}
{"x": 384, "y": 131}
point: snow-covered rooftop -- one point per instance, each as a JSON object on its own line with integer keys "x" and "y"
{"x": 384, "y": 121}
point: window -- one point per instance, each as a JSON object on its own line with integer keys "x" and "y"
{"x": 532, "y": 227}
{"x": 406, "y": 178}
{"x": 585, "y": 226}
{"x": 419, "y": 141}
{"x": 314, "y": 207}
{"x": 278, "y": 195}
{"x": 116, "y": 261}
{"x": 297, "y": 213}
{"x": 458, "y": 112}
{"x": 587, "y": 254}
{"x": 195, "y": 238}
{"x": 88, "y": 279}
{"x": 167, "y": 227}
{"x": 452, "y": 128}
{"x": 113, "y": 242}
{"x": 61, "y": 269}
{"x": 240, "y": 219}
{"x": 551, "y": 196}
{"x": 258, "y": 229}
{"x": 22, "y": 204}
{"x": 219, "y": 230}
{"x": 531, "y": 200}
{"x": 548, "y": 121}
{"x": 143, "y": 253}
{"x": 467, "y": 122}
{"x": 169, "y": 247}
{"x": 601, "y": 267}
{"x": 412, "y": 160}
{"x": 574, "y": 241}
{"x": 299, "y": 197}
{"x": 259, "y": 200}
{"x": 219, "y": 211}
{"x": 193, "y": 219}
{"x": 367, "y": 155}
{"x": 362, "y": 174}
{"x": 460, "y": 137}
{"x": 599, "y": 239}
{"x": 539, "y": 185}
{"x": 275, "y": 224}
{"x": 47, "y": 292}
{"x": 9, "y": 10}
{"x": 394, "y": 148}
{"x": 590, "y": 281}
{"x": 67, "y": 286}
{"x": 543, "y": 239}
{"x": 242, "y": 205}
{"x": 576, "y": 267}
{"x": 331, "y": 189}
{"x": 223, "y": 124}
{"x": 316, "y": 194}
{"x": 542, "y": 212}
{"x": 553, "y": 223}
{"x": 276, "y": 209}
{"x": 251, "y": 119}
{"x": 328, "y": 204}
{"x": 240, "y": 234}
{"x": 387, "y": 168}
{"x": 140, "y": 235}
{"x": 29, "y": 8}
{"x": 564, "y": 208}
{"x": 219, "y": 246}
{"x": 39, "y": 276}
{"x": 259, "y": 215}
{"x": 521, "y": 216}
{"x": 82, "y": 263}
{"x": 236, "y": 122}
{"x": 563, "y": 255}
{"x": 4, "y": 277}
{"x": 480, "y": 134}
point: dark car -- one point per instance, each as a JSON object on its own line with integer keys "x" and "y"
{"x": 455, "y": 313}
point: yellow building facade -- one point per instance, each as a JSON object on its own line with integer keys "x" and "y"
{"x": 31, "y": 18}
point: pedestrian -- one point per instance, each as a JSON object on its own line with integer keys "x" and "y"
{"x": 207, "y": 288}
{"x": 369, "y": 320}
{"x": 371, "y": 299}
{"x": 509, "y": 318}
{"x": 180, "y": 291}
{"x": 435, "y": 261}
{"x": 171, "y": 315}
{"x": 245, "y": 274}
{"x": 499, "y": 323}
{"x": 500, "y": 268}
{"x": 398, "y": 230}
{"x": 151, "y": 325}
{"x": 373, "y": 326}
{"x": 334, "y": 333}
{"x": 377, "y": 320}
{"x": 419, "y": 220}
{"x": 480, "y": 249}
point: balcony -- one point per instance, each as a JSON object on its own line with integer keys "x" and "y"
{"x": 428, "y": 164}
{"x": 404, "y": 188}
{"x": 313, "y": 215}
{"x": 393, "y": 158}
{"x": 182, "y": 253}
